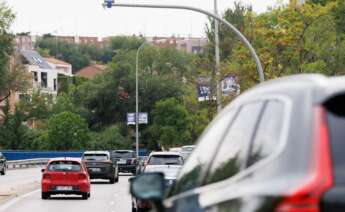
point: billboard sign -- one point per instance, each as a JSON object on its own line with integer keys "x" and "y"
{"x": 143, "y": 118}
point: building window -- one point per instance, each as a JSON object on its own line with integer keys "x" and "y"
{"x": 44, "y": 80}
{"x": 55, "y": 85}
{"x": 35, "y": 76}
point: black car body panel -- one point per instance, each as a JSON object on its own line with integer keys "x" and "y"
{"x": 101, "y": 168}
{"x": 126, "y": 160}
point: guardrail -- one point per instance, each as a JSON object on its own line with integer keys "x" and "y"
{"x": 18, "y": 164}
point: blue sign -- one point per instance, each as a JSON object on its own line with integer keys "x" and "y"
{"x": 143, "y": 118}
{"x": 130, "y": 118}
{"x": 109, "y": 3}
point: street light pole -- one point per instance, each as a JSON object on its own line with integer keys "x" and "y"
{"x": 217, "y": 57}
{"x": 137, "y": 100}
{"x": 243, "y": 39}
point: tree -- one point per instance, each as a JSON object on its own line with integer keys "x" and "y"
{"x": 67, "y": 131}
{"x": 63, "y": 50}
{"x": 6, "y": 48}
{"x": 13, "y": 133}
{"x": 109, "y": 139}
{"x": 171, "y": 123}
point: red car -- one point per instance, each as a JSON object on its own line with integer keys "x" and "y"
{"x": 65, "y": 176}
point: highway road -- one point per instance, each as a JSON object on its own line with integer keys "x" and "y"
{"x": 104, "y": 198}
{"x": 18, "y": 181}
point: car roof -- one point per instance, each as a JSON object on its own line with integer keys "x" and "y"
{"x": 65, "y": 159}
{"x": 96, "y": 152}
{"x": 122, "y": 150}
{"x": 165, "y": 153}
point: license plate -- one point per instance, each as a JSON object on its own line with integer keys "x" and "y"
{"x": 64, "y": 188}
{"x": 95, "y": 169}
{"x": 121, "y": 161}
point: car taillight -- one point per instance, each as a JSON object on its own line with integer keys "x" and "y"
{"x": 46, "y": 176}
{"x": 82, "y": 176}
{"x": 306, "y": 198}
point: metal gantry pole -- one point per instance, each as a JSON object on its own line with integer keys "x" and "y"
{"x": 243, "y": 39}
{"x": 137, "y": 99}
{"x": 217, "y": 58}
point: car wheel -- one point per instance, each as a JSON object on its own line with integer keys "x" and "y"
{"x": 45, "y": 195}
{"x": 85, "y": 195}
{"x": 117, "y": 179}
{"x": 3, "y": 172}
{"x": 112, "y": 180}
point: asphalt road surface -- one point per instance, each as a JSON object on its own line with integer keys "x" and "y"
{"x": 105, "y": 197}
{"x": 18, "y": 181}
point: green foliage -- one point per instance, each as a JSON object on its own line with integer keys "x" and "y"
{"x": 6, "y": 46}
{"x": 67, "y": 131}
{"x": 109, "y": 139}
{"x": 13, "y": 133}
{"x": 62, "y": 50}
{"x": 171, "y": 123}
{"x": 37, "y": 106}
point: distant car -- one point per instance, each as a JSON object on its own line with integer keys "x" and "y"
{"x": 175, "y": 149}
{"x": 2, "y": 164}
{"x": 100, "y": 166}
{"x": 278, "y": 147}
{"x": 126, "y": 160}
{"x": 65, "y": 176}
{"x": 186, "y": 151}
{"x": 168, "y": 163}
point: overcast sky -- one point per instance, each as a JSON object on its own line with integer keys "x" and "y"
{"x": 88, "y": 18}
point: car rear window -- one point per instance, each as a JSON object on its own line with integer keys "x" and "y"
{"x": 336, "y": 126}
{"x": 165, "y": 160}
{"x": 65, "y": 166}
{"x": 95, "y": 157}
{"x": 123, "y": 154}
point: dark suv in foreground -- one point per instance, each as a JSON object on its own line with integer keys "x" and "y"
{"x": 279, "y": 147}
{"x": 100, "y": 166}
{"x": 2, "y": 164}
{"x": 126, "y": 160}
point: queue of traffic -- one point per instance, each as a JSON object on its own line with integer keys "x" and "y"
{"x": 72, "y": 176}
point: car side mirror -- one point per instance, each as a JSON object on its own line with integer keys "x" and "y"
{"x": 148, "y": 186}
{"x": 42, "y": 170}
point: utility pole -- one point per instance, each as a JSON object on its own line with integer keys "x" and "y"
{"x": 217, "y": 58}
{"x": 137, "y": 99}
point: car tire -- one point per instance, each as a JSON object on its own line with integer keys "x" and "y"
{"x": 112, "y": 180}
{"x": 3, "y": 172}
{"x": 85, "y": 196}
{"x": 88, "y": 195}
{"x": 45, "y": 195}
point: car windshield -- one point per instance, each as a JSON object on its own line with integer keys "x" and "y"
{"x": 71, "y": 166}
{"x": 95, "y": 157}
{"x": 122, "y": 154}
{"x": 165, "y": 160}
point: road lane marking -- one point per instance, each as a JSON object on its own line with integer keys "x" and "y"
{"x": 16, "y": 199}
